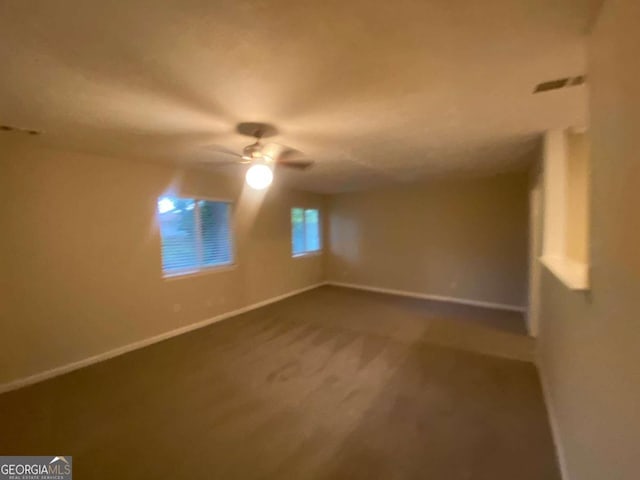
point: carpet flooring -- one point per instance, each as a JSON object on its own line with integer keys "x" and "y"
{"x": 330, "y": 384}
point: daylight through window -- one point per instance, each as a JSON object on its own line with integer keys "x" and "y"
{"x": 196, "y": 234}
{"x": 305, "y": 230}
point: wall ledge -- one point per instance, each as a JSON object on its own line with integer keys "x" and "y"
{"x": 574, "y": 275}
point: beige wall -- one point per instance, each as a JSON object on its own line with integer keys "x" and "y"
{"x": 590, "y": 342}
{"x": 577, "y": 233}
{"x": 81, "y": 263}
{"x": 464, "y": 238}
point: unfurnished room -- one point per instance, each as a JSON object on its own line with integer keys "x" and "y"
{"x": 352, "y": 240}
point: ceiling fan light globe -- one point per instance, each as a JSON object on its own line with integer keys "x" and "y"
{"x": 259, "y": 176}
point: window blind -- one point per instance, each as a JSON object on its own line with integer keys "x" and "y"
{"x": 196, "y": 234}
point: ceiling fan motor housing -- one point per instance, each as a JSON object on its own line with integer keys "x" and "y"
{"x": 254, "y": 152}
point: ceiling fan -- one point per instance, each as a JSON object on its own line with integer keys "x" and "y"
{"x": 263, "y": 158}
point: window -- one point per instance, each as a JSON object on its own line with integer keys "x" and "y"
{"x": 305, "y": 230}
{"x": 196, "y": 234}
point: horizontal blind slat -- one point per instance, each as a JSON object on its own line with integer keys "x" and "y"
{"x": 180, "y": 232}
{"x": 216, "y": 233}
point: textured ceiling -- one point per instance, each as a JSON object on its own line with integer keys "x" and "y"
{"x": 376, "y": 92}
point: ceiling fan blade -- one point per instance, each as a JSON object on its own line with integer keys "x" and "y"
{"x": 223, "y": 150}
{"x": 300, "y": 164}
{"x": 223, "y": 163}
{"x": 281, "y": 152}
{"x": 287, "y": 156}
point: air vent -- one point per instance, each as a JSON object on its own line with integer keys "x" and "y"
{"x": 8, "y": 128}
{"x": 559, "y": 83}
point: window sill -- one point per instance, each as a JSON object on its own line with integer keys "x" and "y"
{"x": 574, "y": 275}
{"x": 199, "y": 273}
{"x": 317, "y": 253}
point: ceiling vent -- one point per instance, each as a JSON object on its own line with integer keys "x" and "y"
{"x": 560, "y": 83}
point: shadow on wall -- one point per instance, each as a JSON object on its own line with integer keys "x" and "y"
{"x": 345, "y": 249}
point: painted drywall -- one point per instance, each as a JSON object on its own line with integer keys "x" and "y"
{"x": 462, "y": 238}
{"x": 555, "y": 154}
{"x": 577, "y": 233}
{"x": 81, "y": 271}
{"x": 589, "y": 343}
{"x": 565, "y": 238}
{"x": 535, "y": 249}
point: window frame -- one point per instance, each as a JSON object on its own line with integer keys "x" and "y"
{"x": 201, "y": 270}
{"x": 306, "y": 253}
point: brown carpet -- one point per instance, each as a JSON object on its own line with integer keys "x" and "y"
{"x": 330, "y": 384}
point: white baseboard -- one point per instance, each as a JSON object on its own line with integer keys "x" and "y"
{"x": 426, "y": 296}
{"x": 555, "y": 427}
{"x": 85, "y": 362}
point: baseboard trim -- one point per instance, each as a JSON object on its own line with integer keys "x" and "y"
{"x": 553, "y": 421}
{"x": 69, "y": 367}
{"x": 426, "y": 296}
